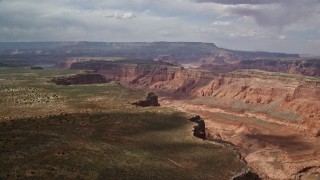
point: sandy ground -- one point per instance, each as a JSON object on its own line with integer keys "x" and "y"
{"x": 274, "y": 149}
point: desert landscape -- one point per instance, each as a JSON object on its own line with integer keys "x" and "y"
{"x": 93, "y": 131}
{"x": 158, "y": 110}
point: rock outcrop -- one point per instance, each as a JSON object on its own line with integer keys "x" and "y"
{"x": 151, "y": 100}
{"x": 90, "y": 78}
{"x": 247, "y": 176}
{"x": 199, "y": 130}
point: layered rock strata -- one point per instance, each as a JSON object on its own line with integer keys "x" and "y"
{"x": 272, "y": 118}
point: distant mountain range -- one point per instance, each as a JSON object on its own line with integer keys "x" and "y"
{"x": 182, "y": 52}
{"x": 195, "y": 54}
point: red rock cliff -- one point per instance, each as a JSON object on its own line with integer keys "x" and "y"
{"x": 291, "y": 98}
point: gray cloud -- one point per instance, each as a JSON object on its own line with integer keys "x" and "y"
{"x": 273, "y": 13}
{"x": 228, "y": 23}
{"x": 234, "y": 2}
{"x": 283, "y": 14}
{"x": 120, "y": 15}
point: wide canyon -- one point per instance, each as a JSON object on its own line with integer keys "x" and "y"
{"x": 265, "y": 106}
{"x": 271, "y": 118}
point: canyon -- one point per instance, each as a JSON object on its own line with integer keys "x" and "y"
{"x": 271, "y": 118}
{"x": 265, "y": 105}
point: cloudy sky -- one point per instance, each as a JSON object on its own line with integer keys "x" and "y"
{"x": 291, "y": 26}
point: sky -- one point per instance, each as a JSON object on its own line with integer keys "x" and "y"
{"x": 291, "y": 26}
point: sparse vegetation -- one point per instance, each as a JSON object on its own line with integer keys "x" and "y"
{"x": 93, "y": 132}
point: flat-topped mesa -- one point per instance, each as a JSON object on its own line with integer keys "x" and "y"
{"x": 151, "y": 100}
{"x": 90, "y": 78}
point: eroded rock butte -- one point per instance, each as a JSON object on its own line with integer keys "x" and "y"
{"x": 151, "y": 100}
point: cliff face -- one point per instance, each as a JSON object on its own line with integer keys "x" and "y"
{"x": 155, "y": 75}
{"x": 161, "y": 77}
{"x": 290, "y": 98}
{"x": 309, "y": 67}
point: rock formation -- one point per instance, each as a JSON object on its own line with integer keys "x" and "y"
{"x": 272, "y": 118}
{"x": 151, "y": 100}
{"x": 199, "y": 131}
{"x": 291, "y": 98}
